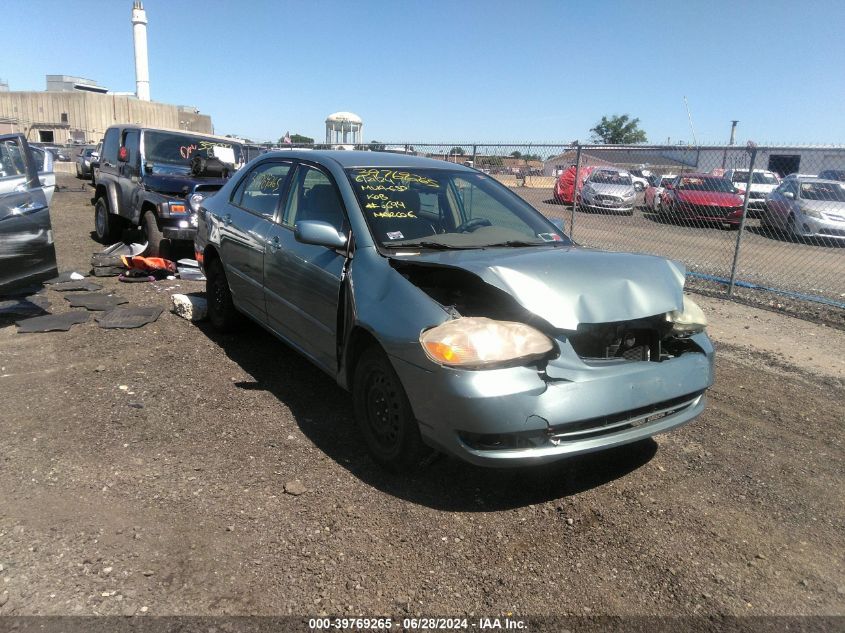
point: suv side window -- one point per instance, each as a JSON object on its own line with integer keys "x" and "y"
{"x": 132, "y": 142}
{"x": 110, "y": 143}
{"x": 261, "y": 189}
{"x": 313, "y": 197}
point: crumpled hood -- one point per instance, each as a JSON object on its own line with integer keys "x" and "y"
{"x": 568, "y": 286}
{"x": 177, "y": 185}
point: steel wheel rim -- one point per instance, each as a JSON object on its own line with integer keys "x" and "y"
{"x": 383, "y": 411}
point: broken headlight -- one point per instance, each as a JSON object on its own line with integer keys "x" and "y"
{"x": 690, "y": 320}
{"x": 479, "y": 342}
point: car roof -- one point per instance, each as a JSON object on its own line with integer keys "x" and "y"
{"x": 153, "y": 128}
{"x": 816, "y": 179}
{"x": 355, "y": 158}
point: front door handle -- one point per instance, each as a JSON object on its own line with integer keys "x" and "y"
{"x": 227, "y": 219}
{"x": 275, "y": 244}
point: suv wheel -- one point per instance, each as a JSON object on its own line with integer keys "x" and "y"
{"x": 383, "y": 414}
{"x": 157, "y": 245}
{"x": 106, "y": 225}
{"x": 221, "y": 308}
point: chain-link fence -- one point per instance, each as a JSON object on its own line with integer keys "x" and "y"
{"x": 742, "y": 219}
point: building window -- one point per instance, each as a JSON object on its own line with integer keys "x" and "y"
{"x": 45, "y": 136}
{"x": 64, "y": 117}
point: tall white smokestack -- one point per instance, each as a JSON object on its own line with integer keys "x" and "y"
{"x": 142, "y": 68}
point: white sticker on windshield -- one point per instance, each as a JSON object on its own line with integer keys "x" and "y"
{"x": 395, "y": 235}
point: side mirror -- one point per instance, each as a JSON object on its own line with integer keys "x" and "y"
{"x": 148, "y": 167}
{"x": 789, "y": 194}
{"x": 123, "y": 155}
{"x": 318, "y": 233}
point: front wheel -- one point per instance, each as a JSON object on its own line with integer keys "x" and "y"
{"x": 157, "y": 244}
{"x": 383, "y": 414}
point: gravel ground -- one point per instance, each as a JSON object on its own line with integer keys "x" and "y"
{"x": 171, "y": 470}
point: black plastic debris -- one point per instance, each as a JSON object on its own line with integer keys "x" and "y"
{"x": 52, "y": 322}
{"x": 68, "y": 275}
{"x": 131, "y": 317}
{"x": 135, "y": 276}
{"x": 77, "y": 285}
{"x": 95, "y": 301}
{"x": 25, "y": 306}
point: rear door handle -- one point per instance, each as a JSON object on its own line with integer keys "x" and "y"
{"x": 227, "y": 219}
{"x": 274, "y": 243}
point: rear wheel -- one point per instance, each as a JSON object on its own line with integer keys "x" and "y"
{"x": 383, "y": 414}
{"x": 221, "y": 307}
{"x": 158, "y": 245}
{"x": 107, "y": 226}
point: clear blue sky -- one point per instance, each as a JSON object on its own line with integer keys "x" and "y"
{"x": 459, "y": 70}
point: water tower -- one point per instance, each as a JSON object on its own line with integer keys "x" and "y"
{"x": 344, "y": 128}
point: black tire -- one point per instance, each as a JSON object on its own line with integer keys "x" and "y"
{"x": 158, "y": 246}
{"x": 221, "y": 307}
{"x": 107, "y": 226}
{"x": 383, "y": 414}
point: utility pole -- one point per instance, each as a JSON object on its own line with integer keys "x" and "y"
{"x": 731, "y": 142}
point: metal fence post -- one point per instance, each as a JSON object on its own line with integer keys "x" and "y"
{"x": 475, "y": 156}
{"x": 753, "y": 148}
{"x": 575, "y": 189}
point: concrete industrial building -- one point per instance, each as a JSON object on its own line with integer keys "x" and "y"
{"x": 78, "y": 110}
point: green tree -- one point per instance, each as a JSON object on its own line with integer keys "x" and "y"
{"x": 516, "y": 154}
{"x": 375, "y": 146}
{"x": 618, "y": 130}
{"x": 298, "y": 138}
{"x": 457, "y": 151}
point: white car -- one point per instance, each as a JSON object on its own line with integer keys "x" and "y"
{"x": 762, "y": 184}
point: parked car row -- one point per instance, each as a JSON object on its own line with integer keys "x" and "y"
{"x": 805, "y": 206}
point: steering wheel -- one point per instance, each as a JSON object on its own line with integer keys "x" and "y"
{"x": 470, "y": 225}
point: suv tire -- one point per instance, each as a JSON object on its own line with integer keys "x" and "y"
{"x": 107, "y": 226}
{"x": 383, "y": 414}
{"x": 157, "y": 245}
{"x": 221, "y": 308}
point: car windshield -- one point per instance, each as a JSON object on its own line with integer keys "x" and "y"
{"x": 177, "y": 150}
{"x": 722, "y": 185}
{"x": 444, "y": 208}
{"x": 610, "y": 178}
{"x": 757, "y": 178}
{"x": 822, "y": 191}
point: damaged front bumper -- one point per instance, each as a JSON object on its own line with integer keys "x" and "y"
{"x": 523, "y": 416}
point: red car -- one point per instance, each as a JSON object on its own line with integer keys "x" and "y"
{"x": 704, "y": 198}
{"x": 564, "y": 190}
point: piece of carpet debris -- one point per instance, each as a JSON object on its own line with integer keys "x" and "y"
{"x": 52, "y": 322}
{"x": 66, "y": 286}
{"x": 131, "y": 317}
{"x": 95, "y": 301}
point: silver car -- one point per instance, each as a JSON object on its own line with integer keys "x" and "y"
{"x": 608, "y": 190}
{"x": 84, "y": 159}
{"x": 27, "y": 251}
{"x": 459, "y": 317}
{"x": 807, "y": 207}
